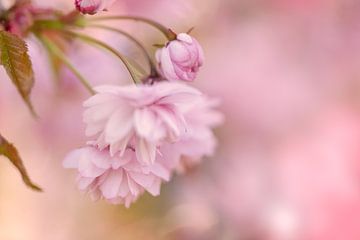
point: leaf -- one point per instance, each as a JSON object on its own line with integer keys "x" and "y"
{"x": 9, "y": 151}
{"x": 16, "y": 61}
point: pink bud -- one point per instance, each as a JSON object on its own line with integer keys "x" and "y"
{"x": 181, "y": 58}
{"x": 20, "y": 19}
{"x": 92, "y": 6}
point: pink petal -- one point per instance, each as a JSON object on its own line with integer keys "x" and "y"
{"x": 178, "y": 52}
{"x": 171, "y": 119}
{"x": 167, "y": 65}
{"x": 128, "y": 200}
{"x": 158, "y": 55}
{"x": 154, "y": 189}
{"x": 185, "y": 38}
{"x": 160, "y": 171}
{"x": 118, "y": 125}
{"x": 145, "y": 123}
{"x": 101, "y": 160}
{"x": 201, "y": 56}
{"x": 120, "y": 161}
{"x": 99, "y": 112}
{"x": 93, "y": 129}
{"x": 86, "y": 167}
{"x": 124, "y": 187}
{"x": 120, "y": 145}
{"x": 88, "y": 6}
{"x": 145, "y": 151}
{"x": 134, "y": 188}
{"x": 142, "y": 179}
{"x": 111, "y": 186}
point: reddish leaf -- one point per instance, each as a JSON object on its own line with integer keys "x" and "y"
{"x": 9, "y": 151}
{"x": 16, "y": 61}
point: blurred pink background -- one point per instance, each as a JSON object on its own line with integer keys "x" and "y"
{"x": 288, "y": 161}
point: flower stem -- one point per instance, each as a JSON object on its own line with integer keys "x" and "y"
{"x": 170, "y": 35}
{"x": 55, "y": 50}
{"x": 153, "y": 71}
{"x": 135, "y": 75}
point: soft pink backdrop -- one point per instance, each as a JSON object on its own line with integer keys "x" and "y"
{"x": 287, "y": 167}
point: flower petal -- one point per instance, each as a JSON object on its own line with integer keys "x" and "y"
{"x": 145, "y": 180}
{"x": 145, "y": 123}
{"x": 154, "y": 189}
{"x": 111, "y": 186}
{"x": 119, "y": 125}
{"x": 145, "y": 151}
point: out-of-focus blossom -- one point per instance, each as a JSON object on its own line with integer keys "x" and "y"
{"x": 92, "y": 6}
{"x": 145, "y": 116}
{"x": 20, "y": 20}
{"x": 20, "y": 16}
{"x": 118, "y": 179}
{"x": 319, "y": 175}
{"x": 6, "y": 4}
{"x": 180, "y": 59}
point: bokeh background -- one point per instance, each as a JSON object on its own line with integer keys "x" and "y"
{"x": 288, "y": 161}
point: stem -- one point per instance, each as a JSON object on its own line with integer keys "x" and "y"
{"x": 47, "y": 24}
{"x": 170, "y": 35}
{"x": 56, "y": 51}
{"x": 130, "y": 37}
{"x": 91, "y": 40}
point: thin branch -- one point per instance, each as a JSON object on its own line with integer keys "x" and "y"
{"x": 131, "y": 38}
{"x": 94, "y": 41}
{"x": 170, "y": 35}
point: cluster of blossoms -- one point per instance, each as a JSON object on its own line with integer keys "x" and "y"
{"x": 139, "y": 135}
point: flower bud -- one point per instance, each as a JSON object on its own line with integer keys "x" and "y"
{"x": 92, "y": 6}
{"x": 181, "y": 58}
{"x": 20, "y": 19}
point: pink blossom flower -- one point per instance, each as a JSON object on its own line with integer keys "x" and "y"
{"x": 118, "y": 179}
{"x": 180, "y": 59}
{"x": 92, "y": 6}
{"x": 198, "y": 141}
{"x": 145, "y": 116}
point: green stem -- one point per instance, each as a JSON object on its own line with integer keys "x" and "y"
{"x": 56, "y": 51}
{"x": 170, "y": 35}
{"x": 91, "y": 40}
{"x": 131, "y": 38}
{"x": 48, "y": 24}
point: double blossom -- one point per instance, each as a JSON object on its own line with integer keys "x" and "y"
{"x": 118, "y": 179}
{"x": 142, "y": 116}
{"x": 141, "y": 134}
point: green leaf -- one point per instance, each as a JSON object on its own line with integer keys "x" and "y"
{"x": 9, "y": 151}
{"x": 16, "y": 61}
